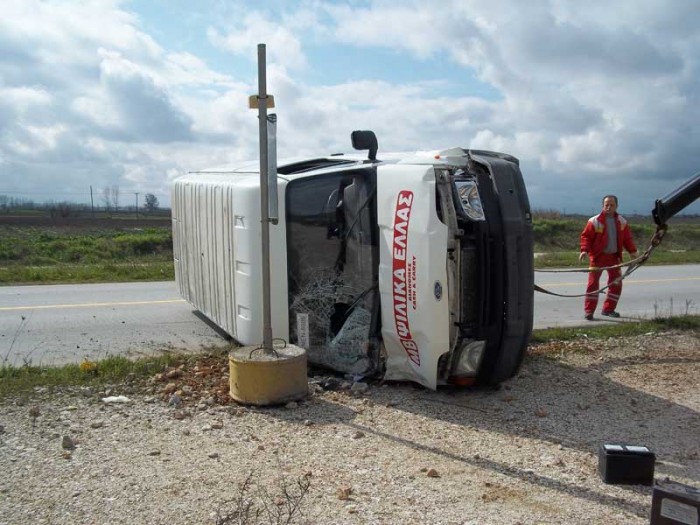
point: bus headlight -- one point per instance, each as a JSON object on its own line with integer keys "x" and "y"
{"x": 468, "y": 195}
{"x": 466, "y": 362}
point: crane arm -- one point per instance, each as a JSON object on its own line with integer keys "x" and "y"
{"x": 677, "y": 200}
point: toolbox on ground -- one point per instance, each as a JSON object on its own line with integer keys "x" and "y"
{"x": 626, "y": 464}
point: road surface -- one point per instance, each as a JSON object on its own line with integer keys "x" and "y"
{"x": 60, "y": 324}
{"x": 44, "y": 325}
{"x": 648, "y": 292}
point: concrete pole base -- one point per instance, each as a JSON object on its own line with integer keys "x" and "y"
{"x": 261, "y": 378}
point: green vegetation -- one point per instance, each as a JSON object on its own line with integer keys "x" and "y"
{"x": 77, "y": 252}
{"x": 659, "y": 324}
{"x": 557, "y": 241}
{"x": 64, "y": 254}
{"x": 659, "y": 256}
{"x": 111, "y": 370}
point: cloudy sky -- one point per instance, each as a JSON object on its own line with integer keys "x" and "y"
{"x": 596, "y": 97}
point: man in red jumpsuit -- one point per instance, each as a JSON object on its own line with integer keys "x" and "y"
{"x": 602, "y": 240}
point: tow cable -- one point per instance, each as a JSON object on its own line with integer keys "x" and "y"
{"x": 663, "y": 210}
{"x": 631, "y": 266}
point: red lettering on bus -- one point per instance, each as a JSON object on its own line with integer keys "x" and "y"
{"x": 402, "y": 217}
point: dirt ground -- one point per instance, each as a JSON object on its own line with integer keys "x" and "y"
{"x": 180, "y": 452}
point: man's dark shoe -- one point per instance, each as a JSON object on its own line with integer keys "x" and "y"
{"x": 589, "y": 317}
{"x": 611, "y": 313}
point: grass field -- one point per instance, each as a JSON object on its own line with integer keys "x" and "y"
{"x": 103, "y": 250}
{"x": 557, "y": 241}
{"x": 62, "y": 254}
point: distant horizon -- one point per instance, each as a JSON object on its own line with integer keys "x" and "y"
{"x": 161, "y": 207}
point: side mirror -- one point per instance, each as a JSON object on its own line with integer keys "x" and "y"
{"x": 365, "y": 140}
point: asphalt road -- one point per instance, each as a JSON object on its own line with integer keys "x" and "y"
{"x": 60, "y": 324}
{"x": 648, "y": 292}
{"x": 65, "y": 323}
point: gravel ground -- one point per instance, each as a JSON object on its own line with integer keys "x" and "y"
{"x": 391, "y": 453}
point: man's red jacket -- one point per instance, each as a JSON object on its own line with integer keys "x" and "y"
{"x": 594, "y": 237}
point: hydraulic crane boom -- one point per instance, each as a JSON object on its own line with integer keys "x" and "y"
{"x": 677, "y": 200}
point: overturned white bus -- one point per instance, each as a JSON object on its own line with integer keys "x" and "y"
{"x": 412, "y": 266}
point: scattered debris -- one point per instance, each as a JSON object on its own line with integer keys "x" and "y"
{"x": 67, "y": 443}
{"x": 359, "y": 388}
{"x": 175, "y": 401}
{"x": 115, "y": 400}
{"x": 174, "y": 374}
{"x": 34, "y": 413}
{"x": 344, "y": 492}
{"x": 181, "y": 414}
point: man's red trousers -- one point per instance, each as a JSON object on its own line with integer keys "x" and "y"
{"x": 614, "y": 291}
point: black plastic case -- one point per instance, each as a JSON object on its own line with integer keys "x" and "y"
{"x": 626, "y": 464}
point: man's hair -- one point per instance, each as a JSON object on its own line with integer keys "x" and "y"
{"x": 613, "y": 197}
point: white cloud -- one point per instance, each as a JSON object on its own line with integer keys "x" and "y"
{"x": 603, "y": 90}
{"x": 189, "y": 70}
{"x": 25, "y": 97}
{"x": 282, "y": 46}
{"x": 18, "y": 103}
{"x": 415, "y": 27}
{"x": 81, "y": 85}
{"x": 38, "y": 138}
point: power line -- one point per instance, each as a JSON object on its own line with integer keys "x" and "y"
{"x": 43, "y": 192}
{"x": 3, "y": 192}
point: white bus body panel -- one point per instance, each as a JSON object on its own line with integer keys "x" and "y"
{"x": 217, "y": 241}
{"x": 412, "y": 273}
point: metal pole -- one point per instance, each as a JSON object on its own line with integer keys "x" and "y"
{"x": 272, "y": 208}
{"x": 264, "y": 209}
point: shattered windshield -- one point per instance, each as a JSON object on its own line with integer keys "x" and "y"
{"x": 332, "y": 261}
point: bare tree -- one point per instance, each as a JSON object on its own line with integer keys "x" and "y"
{"x": 115, "y": 197}
{"x": 61, "y": 210}
{"x": 107, "y": 197}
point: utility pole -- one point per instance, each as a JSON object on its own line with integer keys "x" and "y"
{"x": 264, "y": 205}
{"x": 92, "y": 203}
{"x": 279, "y": 376}
{"x": 137, "y": 203}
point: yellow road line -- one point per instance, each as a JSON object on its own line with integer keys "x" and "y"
{"x": 49, "y": 306}
{"x": 626, "y": 281}
{"x": 137, "y": 303}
